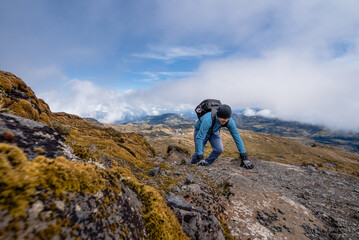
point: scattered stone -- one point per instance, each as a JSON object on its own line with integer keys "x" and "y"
{"x": 304, "y": 195}
{"x": 153, "y": 172}
{"x": 60, "y": 205}
{"x": 176, "y": 189}
{"x": 275, "y": 229}
{"x": 287, "y": 228}
{"x": 337, "y": 236}
{"x": 36, "y": 208}
{"x": 311, "y": 168}
{"x": 178, "y": 202}
{"x": 342, "y": 184}
{"x": 328, "y": 172}
{"x": 281, "y": 211}
{"x": 330, "y": 164}
{"x": 189, "y": 180}
{"x": 99, "y": 194}
{"x": 265, "y": 218}
{"x": 177, "y": 173}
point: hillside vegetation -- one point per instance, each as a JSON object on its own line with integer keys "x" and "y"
{"x": 260, "y": 145}
{"x": 105, "y": 161}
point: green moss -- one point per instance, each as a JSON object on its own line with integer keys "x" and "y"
{"x": 39, "y": 150}
{"x": 62, "y": 175}
{"x": 24, "y": 109}
{"x": 19, "y": 177}
{"x": 5, "y": 84}
{"x": 16, "y": 179}
{"x": 60, "y": 128}
{"x": 31, "y": 108}
{"x": 83, "y": 152}
{"x": 160, "y": 221}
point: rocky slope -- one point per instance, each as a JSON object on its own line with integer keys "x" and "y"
{"x": 63, "y": 178}
{"x": 272, "y": 201}
{"x": 298, "y": 192}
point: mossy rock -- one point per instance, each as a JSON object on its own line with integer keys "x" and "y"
{"x": 19, "y": 177}
{"x": 18, "y": 98}
{"x": 16, "y": 179}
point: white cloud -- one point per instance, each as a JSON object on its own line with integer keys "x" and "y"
{"x": 292, "y": 85}
{"x": 249, "y": 112}
{"x": 151, "y": 77}
{"x": 286, "y": 84}
{"x": 172, "y": 53}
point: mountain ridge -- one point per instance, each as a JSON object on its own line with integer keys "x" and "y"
{"x": 294, "y": 130}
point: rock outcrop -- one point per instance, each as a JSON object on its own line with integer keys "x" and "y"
{"x": 64, "y": 178}
{"x": 34, "y": 138}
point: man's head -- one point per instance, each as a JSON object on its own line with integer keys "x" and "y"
{"x": 224, "y": 112}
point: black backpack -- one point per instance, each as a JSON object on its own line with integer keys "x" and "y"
{"x": 208, "y": 105}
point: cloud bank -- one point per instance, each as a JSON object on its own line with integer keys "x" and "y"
{"x": 291, "y": 85}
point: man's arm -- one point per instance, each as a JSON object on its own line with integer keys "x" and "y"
{"x": 236, "y": 137}
{"x": 243, "y": 155}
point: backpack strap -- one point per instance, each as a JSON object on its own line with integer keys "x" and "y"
{"x": 213, "y": 114}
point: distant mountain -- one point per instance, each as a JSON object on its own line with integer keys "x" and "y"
{"x": 170, "y": 119}
{"x": 300, "y": 132}
{"x": 303, "y": 132}
{"x": 93, "y": 121}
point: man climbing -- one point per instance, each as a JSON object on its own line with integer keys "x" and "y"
{"x": 207, "y": 130}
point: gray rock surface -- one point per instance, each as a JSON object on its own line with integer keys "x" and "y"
{"x": 104, "y": 215}
{"x": 272, "y": 201}
{"x": 154, "y": 171}
{"x": 196, "y": 223}
{"x": 31, "y": 135}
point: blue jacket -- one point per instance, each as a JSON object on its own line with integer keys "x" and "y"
{"x": 203, "y": 127}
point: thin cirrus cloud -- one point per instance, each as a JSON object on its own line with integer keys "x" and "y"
{"x": 173, "y": 53}
{"x": 152, "y": 77}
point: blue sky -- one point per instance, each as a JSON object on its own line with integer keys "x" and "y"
{"x": 298, "y": 60}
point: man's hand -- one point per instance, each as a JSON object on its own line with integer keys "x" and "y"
{"x": 202, "y": 163}
{"x": 245, "y": 162}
